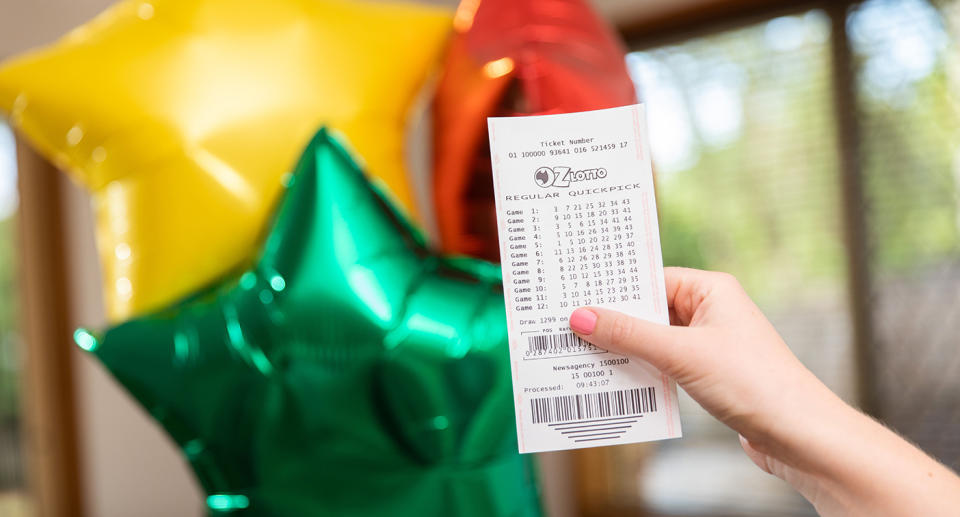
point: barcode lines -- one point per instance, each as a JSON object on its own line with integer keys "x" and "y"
{"x": 588, "y": 406}
{"x": 558, "y": 344}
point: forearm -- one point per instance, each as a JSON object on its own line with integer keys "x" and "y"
{"x": 855, "y": 466}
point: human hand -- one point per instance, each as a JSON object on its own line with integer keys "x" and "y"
{"x": 721, "y": 349}
{"x": 729, "y": 358}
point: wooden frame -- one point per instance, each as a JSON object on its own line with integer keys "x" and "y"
{"x": 860, "y": 287}
{"x": 710, "y": 17}
{"x": 50, "y": 434}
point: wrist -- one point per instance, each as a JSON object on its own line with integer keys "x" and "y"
{"x": 799, "y": 417}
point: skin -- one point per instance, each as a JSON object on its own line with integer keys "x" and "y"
{"x": 731, "y": 360}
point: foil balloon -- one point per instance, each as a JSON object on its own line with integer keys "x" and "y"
{"x": 348, "y": 372}
{"x": 512, "y": 57}
{"x": 182, "y": 117}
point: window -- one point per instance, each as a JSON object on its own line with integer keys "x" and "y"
{"x": 742, "y": 131}
{"x": 908, "y": 84}
{"x": 11, "y": 465}
{"x": 748, "y": 145}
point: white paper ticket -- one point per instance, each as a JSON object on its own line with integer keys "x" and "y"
{"x": 577, "y": 221}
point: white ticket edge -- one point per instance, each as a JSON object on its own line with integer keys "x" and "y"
{"x": 515, "y": 143}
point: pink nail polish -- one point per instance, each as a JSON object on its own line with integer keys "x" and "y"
{"x": 583, "y": 321}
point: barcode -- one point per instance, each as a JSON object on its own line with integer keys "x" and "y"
{"x": 571, "y": 408}
{"x": 553, "y": 344}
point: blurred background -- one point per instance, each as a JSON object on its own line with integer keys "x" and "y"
{"x": 810, "y": 148}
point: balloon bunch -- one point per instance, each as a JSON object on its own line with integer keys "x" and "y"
{"x": 288, "y": 327}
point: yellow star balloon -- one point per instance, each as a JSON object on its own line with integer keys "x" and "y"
{"x": 183, "y": 116}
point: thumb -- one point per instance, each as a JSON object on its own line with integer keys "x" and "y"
{"x": 659, "y": 345}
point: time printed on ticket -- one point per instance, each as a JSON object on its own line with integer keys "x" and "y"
{"x": 577, "y": 221}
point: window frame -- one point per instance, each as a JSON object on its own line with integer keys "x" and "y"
{"x": 51, "y": 445}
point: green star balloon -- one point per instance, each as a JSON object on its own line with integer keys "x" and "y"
{"x": 349, "y": 371}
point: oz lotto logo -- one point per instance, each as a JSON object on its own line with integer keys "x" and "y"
{"x": 563, "y": 176}
{"x": 544, "y": 176}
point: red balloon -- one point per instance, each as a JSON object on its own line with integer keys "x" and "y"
{"x": 512, "y": 57}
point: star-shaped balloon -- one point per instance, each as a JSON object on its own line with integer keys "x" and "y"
{"x": 182, "y": 116}
{"x": 512, "y": 57}
{"x": 350, "y": 371}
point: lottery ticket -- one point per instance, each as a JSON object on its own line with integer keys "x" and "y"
{"x": 577, "y": 223}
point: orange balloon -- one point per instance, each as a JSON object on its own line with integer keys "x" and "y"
{"x": 512, "y": 57}
{"x": 468, "y": 94}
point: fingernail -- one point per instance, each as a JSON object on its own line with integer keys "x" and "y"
{"x": 583, "y": 321}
